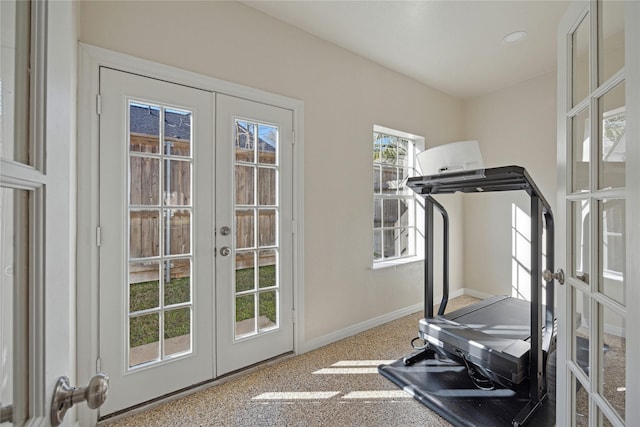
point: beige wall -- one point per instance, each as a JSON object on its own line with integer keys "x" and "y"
{"x": 344, "y": 96}
{"x": 514, "y": 126}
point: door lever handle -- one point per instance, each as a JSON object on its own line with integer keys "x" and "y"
{"x": 65, "y": 396}
{"x": 548, "y": 276}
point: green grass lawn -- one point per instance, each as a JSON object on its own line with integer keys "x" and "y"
{"x": 145, "y": 295}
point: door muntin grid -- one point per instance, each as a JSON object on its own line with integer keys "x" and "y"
{"x": 160, "y": 233}
{"x": 256, "y": 211}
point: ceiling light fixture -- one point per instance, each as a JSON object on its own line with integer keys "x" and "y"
{"x": 514, "y": 37}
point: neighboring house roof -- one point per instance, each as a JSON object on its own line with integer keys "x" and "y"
{"x": 145, "y": 120}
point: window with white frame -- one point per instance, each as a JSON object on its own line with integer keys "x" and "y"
{"x": 395, "y": 207}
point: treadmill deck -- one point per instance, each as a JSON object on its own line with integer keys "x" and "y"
{"x": 493, "y": 334}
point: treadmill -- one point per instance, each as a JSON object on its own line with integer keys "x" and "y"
{"x": 501, "y": 342}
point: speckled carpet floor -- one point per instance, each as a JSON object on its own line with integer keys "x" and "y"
{"x": 336, "y": 385}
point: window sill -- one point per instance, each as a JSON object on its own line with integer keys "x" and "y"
{"x": 396, "y": 262}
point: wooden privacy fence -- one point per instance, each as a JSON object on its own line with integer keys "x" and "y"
{"x": 147, "y": 222}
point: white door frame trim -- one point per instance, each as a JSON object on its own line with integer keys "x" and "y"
{"x": 90, "y": 59}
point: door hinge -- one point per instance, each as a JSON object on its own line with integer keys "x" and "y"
{"x": 98, "y": 104}
{"x": 293, "y": 137}
{"x": 98, "y": 365}
{"x": 293, "y": 316}
{"x": 98, "y": 236}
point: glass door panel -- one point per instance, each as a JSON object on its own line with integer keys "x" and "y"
{"x": 159, "y": 300}
{"x": 611, "y": 266}
{"x": 580, "y": 240}
{"x": 580, "y": 61}
{"x": 256, "y": 211}
{"x": 581, "y": 150}
{"x": 612, "y": 355}
{"x": 610, "y": 39}
{"x": 611, "y": 138}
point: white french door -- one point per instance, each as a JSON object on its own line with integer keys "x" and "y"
{"x": 156, "y": 223}
{"x": 195, "y": 236}
{"x": 254, "y": 203}
{"x": 598, "y": 159}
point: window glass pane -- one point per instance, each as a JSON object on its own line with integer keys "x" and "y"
{"x": 581, "y": 150}
{"x": 612, "y": 138}
{"x": 610, "y": 38}
{"x": 177, "y": 132}
{"x": 580, "y": 240}
{"x": 581, "y": 317}
{"x": 612, "y": 249}
{"x": 580, "y": 61}
{"x": 14, "y": 81}
{"x": 144, "y": 128}
{"x": 390, "y": 248}
{"x": 406, "y": 206}
{"x": 377, "y": 179}
{"x": 613, "y": 351}
{"x": 377, "y": 245}
{"x": 389, "y": 180}
{"x": 390, "y": 212}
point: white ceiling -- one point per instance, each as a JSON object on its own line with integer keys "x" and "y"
{"x": 453, "y": 46}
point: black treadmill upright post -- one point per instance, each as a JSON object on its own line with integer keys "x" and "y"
{"x": 428, "y": 256}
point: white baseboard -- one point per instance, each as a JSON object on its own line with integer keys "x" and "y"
{"x": 475, "y": 294}
{"x": 372, "y": 323}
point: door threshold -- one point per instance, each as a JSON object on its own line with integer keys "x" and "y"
{"x": 195, "y": 388}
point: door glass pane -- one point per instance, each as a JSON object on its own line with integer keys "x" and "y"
{"x": 177, "y": 232}
{"x": 245, "y": 228}
{"x": 267, "y": 186}
{"x": 177, "y": 132}
{"x": 144, "y": 339}
{"x": 160, "y": 252}
{"x": 245, "y": 315}
{"x": 268, "y": 274}
{"x": 612, "y": 138}
{"x": 267, "y": 227}
{"x": 14, "y": 81}
{"x": 613, "y": 350}
{"x": 245, "y": 271}
{"x": 580, "y": 240}
{"x": 14, "y": 306}
{"x": 611, "y": 266}
{"x": 177, "y": 331}
{"x": 144, "y": 188}
{"x": 581, "y": 404}
{"x": 580, "y": 61}
{"x": 177, "y": 177}
{"x": 610, "y": 38}
{"x": 144, "y": 128}
{"x": 581, "y": 317}
{"x": 268, "y": 309}
{"x": 256, "y": 212}
{"x": 267, "y": 144}
{"x": 144, "y": 285}
{"x": 245, "y": 140}
{"x": 581, "y": 150}
{"x": 177, "y": 281}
